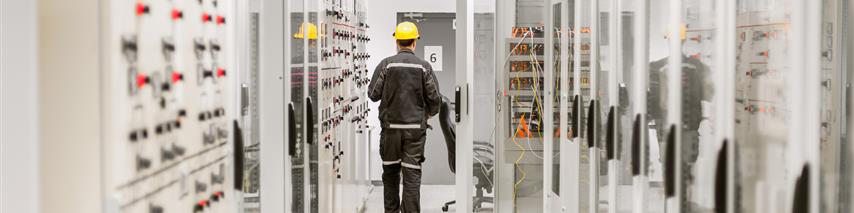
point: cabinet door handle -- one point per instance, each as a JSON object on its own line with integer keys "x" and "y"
{"x": 636, "y": 147}
{"x": 610, "y": 138}
{"x": 721, "y": 180}
{"x": 576, "y": 113}
{"x": 670, "y": 163}
{"x": 591, "y": 124}
{"x": 802, "y": 191}
{"x": 457, "y": 108}
{"x": 238, "y": 156}
{"x": 292, "y": 135}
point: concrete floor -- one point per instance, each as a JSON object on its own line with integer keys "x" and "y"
{"x": 432, "y": 199}
{"x": 434, "y": 196}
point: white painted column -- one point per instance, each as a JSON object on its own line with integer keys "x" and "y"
{"x": 613, "y": 96}
{"x": 275, "y": 94}
{"x": 641, "y": 73}
{"x": 812, "y": 98}
{"x": 465, "y": 81}
{"x": 548, "y": 106}
{"x": 593, "y": 201}
{"x": 674, "y": 100}
{"x": 570, "y": 161}
{"x": 724, "y": 74}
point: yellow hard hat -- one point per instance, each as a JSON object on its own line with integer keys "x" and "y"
{"x": 312, "y": 31}
{"x": 683, "y": 31}
{"x": 405, "y": 31}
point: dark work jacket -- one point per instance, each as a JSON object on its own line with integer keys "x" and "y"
{"x": 408, "y": 90}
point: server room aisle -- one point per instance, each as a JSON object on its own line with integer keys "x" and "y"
{"x": 432, "y": 199}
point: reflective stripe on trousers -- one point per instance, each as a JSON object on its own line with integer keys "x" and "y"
{"x": 402, "y": 152}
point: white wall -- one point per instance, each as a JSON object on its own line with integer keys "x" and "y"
{"x": 19, "y": 145}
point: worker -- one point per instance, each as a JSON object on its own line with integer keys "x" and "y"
{"x": 696, "y": 88}
{"x": 409, "y": 95}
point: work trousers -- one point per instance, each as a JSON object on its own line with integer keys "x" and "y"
{"x": 402, "y": 151}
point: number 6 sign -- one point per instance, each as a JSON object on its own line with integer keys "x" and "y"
{"x": 433, "y": 55}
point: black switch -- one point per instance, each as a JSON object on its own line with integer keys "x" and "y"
{"x": 178, "y": 150}
{"x": 166, "y": 86}
{"x": 207, "y": 74}
{"x": 142, "y": 163}
{"x": 199, "y": 47}
{"x": 215, "y": 46}
{"x": 201, "y": 187}
{"x": 217, "y": 179}
{"x": 158, "y": 129}
{"x": 167, "y": 44}
{"x": 168, "y": 126}
{"x": 166, "y": 155}
{"x": 208, "y": 138}
{"x": 154, "y": 208}
{"x": 134, "y": 136}
{"x": 129, "y": 47}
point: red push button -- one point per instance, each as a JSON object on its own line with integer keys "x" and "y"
{"x": 177, "y": 76}
{"x": 220, "y": 20}
{"x": 142, "y": 9}
{"x": 141, "y": 80}
{"x": 177, "y": 14}
{"x": 220, "y": 72}
{"x": 206, "y": 17}
{"x": 216, "y": 196}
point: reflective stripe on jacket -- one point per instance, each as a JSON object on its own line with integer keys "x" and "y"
{"x": 408, "y": 90}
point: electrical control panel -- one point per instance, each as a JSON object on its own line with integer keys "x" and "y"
{"x": 343, "y": 78}
{"x": 761, "y": 111}
{"x": 525, "y": 82}
{"x": 169, "y": 104}
{"x": 342, "y": 105}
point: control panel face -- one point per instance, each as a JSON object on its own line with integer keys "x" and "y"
{"x": 763, "y": 62}
{"x": 338, "y": 83}
{"x": 169, "y": 102}
{"x": 342, "y": 80}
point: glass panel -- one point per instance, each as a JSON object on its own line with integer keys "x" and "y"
{"x": 761, "y": 112}
{"x": 556, "y": 26}
{"x": 699, "y": 148}
{"x": 847, "y": 165}
{"x": 484, "y": 95}
{"x": 311, "y": 83}
{"x": 298, "y": 100}
{"x": 835, "y": 177}
{"x": 523, "y": 79}
{"x": 625, "y": 117}
{"x": 603, "y": 99}
{"x": 848, "y": 140}
{"x": 251, "y": 116}
{"x": 584, "y": 95}
{"x": 657, "y": 103}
